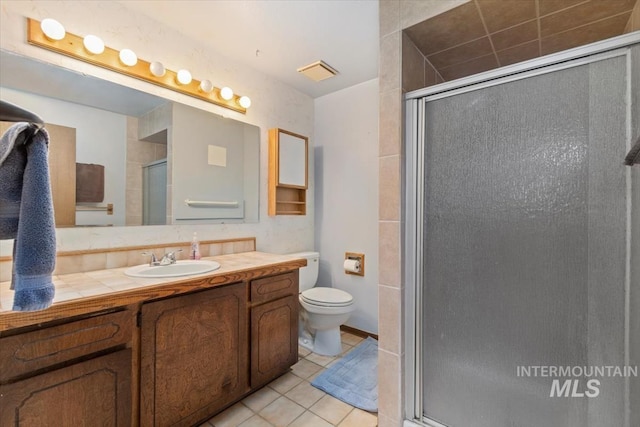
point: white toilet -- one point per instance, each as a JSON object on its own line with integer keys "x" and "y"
{"x": 322, "y": 311}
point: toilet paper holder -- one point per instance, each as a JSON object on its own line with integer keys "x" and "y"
{"x": 354, "y": 256}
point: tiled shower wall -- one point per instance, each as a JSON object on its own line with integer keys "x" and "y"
{"x": 139, "y": 153}
{"x": 634, "y": 20}
{"x": 403, "y": 68}
{"x": 395, "y": 15}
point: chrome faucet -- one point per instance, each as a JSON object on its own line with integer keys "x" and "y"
{"x": 153, "y": 260}
{"x": 169, "y": 258}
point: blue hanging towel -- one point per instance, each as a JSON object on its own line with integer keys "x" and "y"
{"x": 26, "y": 215}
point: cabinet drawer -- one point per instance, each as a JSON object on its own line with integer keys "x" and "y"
{"x": 274, "y": 287}
{"x": 23, "y": 353}
{"x": 96, "y": 392}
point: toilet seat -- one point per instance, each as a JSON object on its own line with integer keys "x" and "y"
{"x": 327, "y": 297}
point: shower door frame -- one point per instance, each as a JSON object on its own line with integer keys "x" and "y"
{"x": 414, "y": 135}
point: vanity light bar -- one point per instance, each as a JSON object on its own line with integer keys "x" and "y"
{"x": 73, "y": 46}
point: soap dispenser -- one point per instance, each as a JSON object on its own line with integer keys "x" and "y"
{"x": 195, "y": 248}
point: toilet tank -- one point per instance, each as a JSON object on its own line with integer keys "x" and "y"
{"x": 308, "y": 274}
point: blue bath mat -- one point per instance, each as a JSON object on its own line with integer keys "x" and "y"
{"x": 354, "y": 378}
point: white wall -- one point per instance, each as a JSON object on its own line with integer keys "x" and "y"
{"x": 346, "y": 196}
{"x": 273, "y": 105}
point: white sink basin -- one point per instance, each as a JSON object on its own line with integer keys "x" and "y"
{"x": 180, "y": 268}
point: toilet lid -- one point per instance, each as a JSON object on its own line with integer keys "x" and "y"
{"x": 327, "y": 297}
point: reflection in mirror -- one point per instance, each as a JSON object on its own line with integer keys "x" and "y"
{"x": 138, "y": 159}
{"x": 292, "y": 159}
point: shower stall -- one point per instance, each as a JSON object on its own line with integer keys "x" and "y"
{"x": 522, "y": 244}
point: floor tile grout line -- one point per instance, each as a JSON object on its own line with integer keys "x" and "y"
{"x": 302, "y": 380}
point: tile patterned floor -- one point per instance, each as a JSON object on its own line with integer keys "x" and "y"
{"x": 291, "y": 400}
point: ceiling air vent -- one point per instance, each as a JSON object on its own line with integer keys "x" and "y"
{"x": 317, "y": 71}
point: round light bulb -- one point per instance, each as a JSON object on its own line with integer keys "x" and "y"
{"x": 157, "y": 69}
{"x": 128, "y": 57}
{"x": 226, "y": 93}
{"x": 206, "y": 86}
{"x": 52, "y": 29}
{"x": 184, "y": 77}
{"x": 245, "y": 102}
{"x": 93, "y": 44}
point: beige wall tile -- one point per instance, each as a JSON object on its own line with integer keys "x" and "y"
{"x": 243, "y": 246}
{"x": 134, "y": 176}
{"x": 389, "y": 385}
{"x": 160, "y": 151}
{"x": 390, "y": 119}
{"x": 519, "y": 53}
{"x": 389, "y": 11}
{"x": 389, "y": 251}
{"x": 449, "y": 29}
{"x": 429, "y": 73}
{"x": 461, "y": 53}
{"x": 584, "y": 35}
{"x": 500, "y": 14}
{"x": 132, "y": 127}
{"x": 389, "y": 209}
{"x": 68, "y": 264}
{"x": 515, "y": 35}
{"x": 634, "y": 19}
{"x": 384, "y": 421}
{"x": 215, "y": 249}
{"x": 5, "y": 270}
{"x": 91, "y": 262}
{"x": 390, "y": 315}
{"x": 390, "y": 62}
{"x": 117, "y": 259}
{"x": 414, "y": 11}
{"x": 412, "y": 65}
{"x": 474, "y": 66}
{"x": 140, "y": 152}
{"x": 582, "y": 14}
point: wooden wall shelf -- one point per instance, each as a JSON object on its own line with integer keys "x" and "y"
{"x": 288, "y": 173}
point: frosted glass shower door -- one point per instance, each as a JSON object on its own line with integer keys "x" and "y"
{"x": 525, "y": 227}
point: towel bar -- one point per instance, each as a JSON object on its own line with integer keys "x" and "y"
{"x": 210, "y": 204}
{"x": 83, "y": 208}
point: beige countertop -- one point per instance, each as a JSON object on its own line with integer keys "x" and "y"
{"x": 91, "y": 291}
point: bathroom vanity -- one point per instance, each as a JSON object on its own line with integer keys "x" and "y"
{"x": 169, "y": 353}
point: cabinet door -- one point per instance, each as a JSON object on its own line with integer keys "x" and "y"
{"x": 274, "y": 339}
{"x": 96, "y": 392}
{"x": 194, "y": 355}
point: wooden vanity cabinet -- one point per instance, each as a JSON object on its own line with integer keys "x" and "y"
{"x": 194, "y": 355}
{"x": 203, "y": 351}
{"x": 176, "y": 360}
{"x": 274, "y": 326}
{"x": 80, "y": 370}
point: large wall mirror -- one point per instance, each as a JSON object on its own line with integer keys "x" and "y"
{"x": 125, "y": 157}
